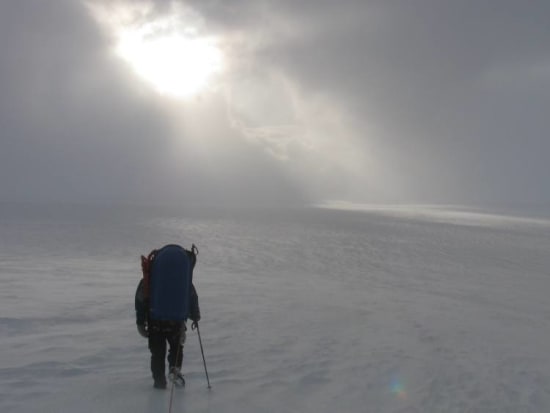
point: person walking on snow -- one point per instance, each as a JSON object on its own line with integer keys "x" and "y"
{"x": 164, "y": 299}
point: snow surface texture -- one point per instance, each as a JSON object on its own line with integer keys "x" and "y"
{"x": 303, "y": 311}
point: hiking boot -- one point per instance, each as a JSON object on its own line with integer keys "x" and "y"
{"x": 176, "y": 377}
{"x": 159, "y": 385}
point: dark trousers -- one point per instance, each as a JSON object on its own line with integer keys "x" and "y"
{"x": 159, "y": 335}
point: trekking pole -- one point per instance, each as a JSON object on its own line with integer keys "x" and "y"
{"x": 203, "y": 359}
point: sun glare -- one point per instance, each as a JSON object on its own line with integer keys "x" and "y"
{"x": 168, "y": 50}
{"x": 173, "y": 64}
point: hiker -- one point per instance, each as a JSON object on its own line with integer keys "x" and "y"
{"x": 165, "y": 299}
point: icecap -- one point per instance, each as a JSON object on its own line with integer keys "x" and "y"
{"x": 307, "y": 310}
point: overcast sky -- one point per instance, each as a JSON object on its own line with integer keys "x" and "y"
{"x": 429, "y": 101}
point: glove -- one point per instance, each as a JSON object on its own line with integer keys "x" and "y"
{"x": 142, "y": 330}
{"x": 195, "y": 324}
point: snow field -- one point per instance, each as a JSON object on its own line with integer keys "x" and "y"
{"x": 315, "y": 311}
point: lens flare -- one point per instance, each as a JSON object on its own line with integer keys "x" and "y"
{"x": 398, "y": 388}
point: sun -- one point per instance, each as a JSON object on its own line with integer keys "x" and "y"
{"x": 174, "y": 64}
{"x": 167, "y": 47}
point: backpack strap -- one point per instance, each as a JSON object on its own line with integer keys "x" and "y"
{"x": 193, "y": 254}
{"x": 146, "y": 270}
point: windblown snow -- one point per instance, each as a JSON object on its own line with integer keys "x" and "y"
{"x": 310, "y": 310}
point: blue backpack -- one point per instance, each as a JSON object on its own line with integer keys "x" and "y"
{"x": 168, "y": 282}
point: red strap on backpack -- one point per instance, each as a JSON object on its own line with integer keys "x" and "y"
{"x": 146, "y": 270}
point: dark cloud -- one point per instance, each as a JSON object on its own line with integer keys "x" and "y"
{"x": 448, "y": 88}
{"x": 67, "y": 111}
